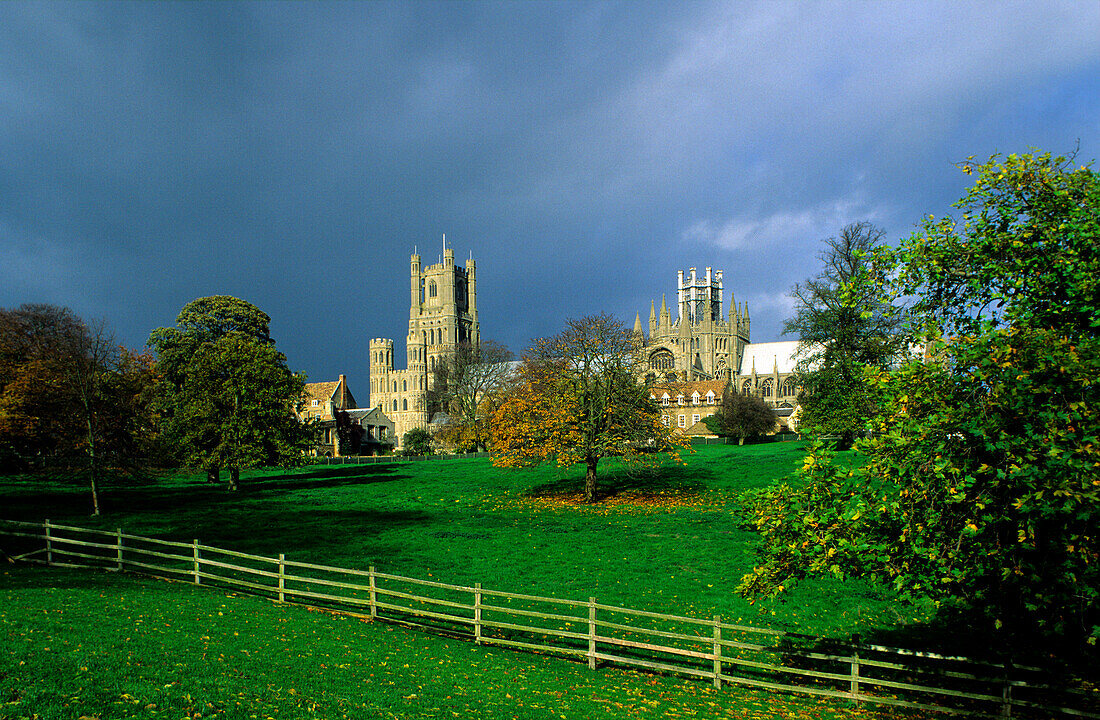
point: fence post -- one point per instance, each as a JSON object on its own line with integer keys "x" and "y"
{"x": 1006, "y": 692}
{"x": 855, "y": 669}
{"x": 118, "y": 542}
{"x": 373, "y": 595}
{"x": 477, "y": 613}
{"x": 195, "y": 554}
{"x": 718, "y": 651}
{"x": 591, "y": 633}
{"x": 282, "y": 577}
{"x": 49, "y": 545}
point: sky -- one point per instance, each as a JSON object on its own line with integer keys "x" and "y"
{"x": 295, "y": 155}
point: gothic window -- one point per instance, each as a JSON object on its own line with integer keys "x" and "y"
{"x": 789, "y": 387}
{"x": 746, "y": 387}
{"x": 766, "y": 388}
{"x": 404, "y": 404}
{"x": 431, "y": 289}
{"x": 661, "y": 359}
{"x": 404, "y": 385}
{"x": 421, "y": 291}
{"x": 395, "y": 406}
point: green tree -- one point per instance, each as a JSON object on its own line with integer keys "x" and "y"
{"x": 578, "y": 401}
{"x": 227, "y": 395}
{"x": 417, "y": 441}
{"x": 845, "y": 325}
{"x": 743, "y": 416}
{"x": 980, "y": 486}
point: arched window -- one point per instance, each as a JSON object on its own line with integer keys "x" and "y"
{"x": 404, "y": 385}
{"x": 431, "y": 289}
{"x": 661, "y": 359}
{"x": 789, "y": 387}
{"x": 746, "y": 387}
{"x": 395, "y": 406}
{"x": 404, "y": 404}
{"x": 766, "y": 388}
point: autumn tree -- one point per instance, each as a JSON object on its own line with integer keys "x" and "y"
{"x": 743, "y": 416}
{"x": 466, "y": 386}
{"x": 980, "y": 485}
{"x": 577, "y": 401}
{"x": 227, "y": 395}
{"x": 67, "y": 391}
{"x": 844, "y": 324}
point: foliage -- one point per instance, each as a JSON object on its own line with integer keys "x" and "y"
{"x": 227, "y": 396}
{"x": 577, "y": 401}
{"x": 67, "y": 391}
{"x": 417, "y": 441}
{"x": 743, "y": 416}
{"x": 845, "y": 324}
{"x": 467, "y": 386}
{"x": 980, "y": 486}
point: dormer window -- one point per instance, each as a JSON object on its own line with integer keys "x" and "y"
{"x": 710, "y": 398}
{"x": 695, "y": 398}
{"x": 664, "y": 400}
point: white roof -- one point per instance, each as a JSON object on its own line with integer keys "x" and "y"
{"x": 766, "y": 356}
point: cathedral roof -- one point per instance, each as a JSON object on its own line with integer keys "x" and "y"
{"x": 766, "y": 357}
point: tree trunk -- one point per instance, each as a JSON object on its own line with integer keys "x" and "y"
{"x": 93, "y": 470}
{"x": 234, "y": 479}
{"x": 590, "y": 481}
{"x": 213, "y": 475}
{"x": 740, "y": 439}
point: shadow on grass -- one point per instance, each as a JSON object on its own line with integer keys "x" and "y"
{"x": 664, "y": 481}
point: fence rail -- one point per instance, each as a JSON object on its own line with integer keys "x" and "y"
{"x": 724, "y": 653}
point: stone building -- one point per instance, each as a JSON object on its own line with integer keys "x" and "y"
{"x": 321, "y": 401}
{"x": 684, "y": 405}
{"x": 442, "y": 314}
{"x": 702, "y": 343}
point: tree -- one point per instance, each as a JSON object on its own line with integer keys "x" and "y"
{"x": 844, "y": 324}
{"x": 743, "y": 416}
{"x": 67, "y": 390}
{"x": 464, "y": 385}
{"x": 228, "y": 396}
{"x": 980, "y": 485}
{"x": 417, "y": 441}
{"x": 577, "y": 400}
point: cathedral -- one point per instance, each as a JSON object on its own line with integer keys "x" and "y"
{"x": 703, "y": 343}
{"x": 442, "y": 314}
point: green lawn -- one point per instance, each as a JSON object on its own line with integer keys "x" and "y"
{"x": 669, "y": 542}
{"x": 82, "y": 644}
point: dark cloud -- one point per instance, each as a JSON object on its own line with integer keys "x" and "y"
{"x": 295, "y": 154}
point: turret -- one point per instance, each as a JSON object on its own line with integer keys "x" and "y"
{"x": 414, "y": 281}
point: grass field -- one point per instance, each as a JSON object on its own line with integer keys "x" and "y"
{"x": 85, "y": 644}
{"x": 669, "y": 542}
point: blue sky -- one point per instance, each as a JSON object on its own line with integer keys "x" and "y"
{"x": 294, "y": 154}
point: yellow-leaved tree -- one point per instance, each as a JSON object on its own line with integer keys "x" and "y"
{"x": 577, "y": 400}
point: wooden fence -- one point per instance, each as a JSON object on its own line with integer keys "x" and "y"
{"x": 589, "y": 631}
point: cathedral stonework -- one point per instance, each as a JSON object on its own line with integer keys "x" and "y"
{"x": 442, "y": 314}
{"x": 704, "y": 344}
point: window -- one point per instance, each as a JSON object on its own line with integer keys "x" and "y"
{"x": 680, "y": 400}
{"x": 746, "y": 387}
{"x": 315, "y": 403}
{"x": 695, "y": 398}
{"x": 404, "y": 404}
{"x": 766, "y": 388}
{"x": 664, "y": 400}
{"x": 405, "y": 385}
{"x": 665, "y": 420}
{"x": 710, "y": 398}
{"x": 694, "y": 419}
{"x": 431, "y": 289}
{"x": 680, "y": 421}
{"x": 395, "y": 406}
{"x": 661, "y": 359}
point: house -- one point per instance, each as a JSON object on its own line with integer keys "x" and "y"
{"x": 330, "y": 404}
{"x": 685, "y": 405}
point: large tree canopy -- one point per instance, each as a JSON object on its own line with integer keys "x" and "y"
{"x": 578, "y": 401}
{"x": 228, "y": 397}
{"x": 68, "y": 392}
{"x": 982, "y": 480}
{"x": 844, "y": 325}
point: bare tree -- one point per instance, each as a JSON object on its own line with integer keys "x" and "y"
{"x": 464, "y": 386}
